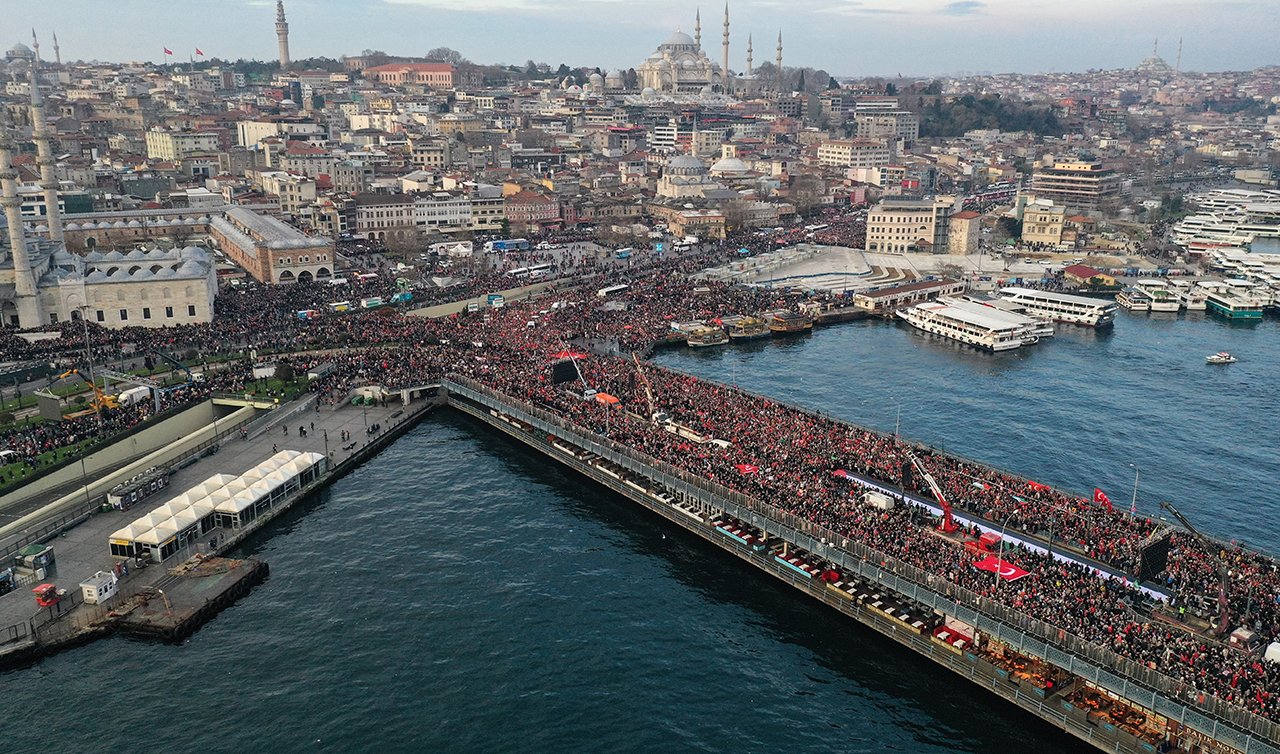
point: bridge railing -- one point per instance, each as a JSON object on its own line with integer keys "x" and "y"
{"x": 1244, "y": 729}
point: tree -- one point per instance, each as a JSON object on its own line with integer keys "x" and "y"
{"x": 447, "y": 55}
{"x": 800, "y": 85}
{"x": 890, "y": 88}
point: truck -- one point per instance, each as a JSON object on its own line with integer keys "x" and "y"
{"x": 134, "y": 395}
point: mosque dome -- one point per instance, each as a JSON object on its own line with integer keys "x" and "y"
{"x": 595, "y": 79}
{"x": 678, "y": 39}
{"x": 649, "y": 92}
{"x": 730, "y": 166}
{"x": 685, "y": 164}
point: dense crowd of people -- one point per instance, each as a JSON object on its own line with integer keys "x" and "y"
{"x": 781, "y": 455}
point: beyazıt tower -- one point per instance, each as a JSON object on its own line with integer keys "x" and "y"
{"x": 282, "y": 35}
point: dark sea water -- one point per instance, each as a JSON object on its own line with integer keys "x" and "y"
{"x": 458, "y": 593}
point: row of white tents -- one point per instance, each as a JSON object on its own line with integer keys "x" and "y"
{"x": 222, "y": 500}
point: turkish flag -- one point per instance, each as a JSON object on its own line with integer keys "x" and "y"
{"x": 746, "y": 468}
{"x": 167, "y": 51}
{"x": 1101, "y": 497}
{"x": 1006, "y": 570}
{"x": 1037, "y": 486}
{"x": 199, "y": 51}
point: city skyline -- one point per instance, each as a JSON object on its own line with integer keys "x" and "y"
{"x": 912, "y": 38}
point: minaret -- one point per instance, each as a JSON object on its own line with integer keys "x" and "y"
{"x": 749, "y": 61}
{"x": 779, "y": 63}
{"x": 57, "y": 51}
{"x": 44, "y": 152}
{"x": 697, "y": 28}
{"x": 282, "y": 35}
{"x": 724, "y": 67}
{"x": 1177, "y": 66}
{"x": 24, "y": 285}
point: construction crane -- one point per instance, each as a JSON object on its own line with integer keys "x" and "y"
{"x": 655, "y": 416}
{"x": 1224, "y": 605}
{"x": 100, "y": 399}
{"x": 947, "y": 525}
{"x": 130, "y": 379}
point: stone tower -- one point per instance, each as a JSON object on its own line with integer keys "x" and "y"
{"x": 282, "y": 35}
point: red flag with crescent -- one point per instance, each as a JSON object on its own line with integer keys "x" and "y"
{"x": 1101, "y": 497}
{"x": 1006, "y": 570}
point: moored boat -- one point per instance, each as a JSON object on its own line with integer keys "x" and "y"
{"x": 788, "y": 323}
{"x": 702, "y": 337}
{"x": 749, "y": 328}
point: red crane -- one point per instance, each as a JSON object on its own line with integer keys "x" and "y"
{"x": 947, "y": 525}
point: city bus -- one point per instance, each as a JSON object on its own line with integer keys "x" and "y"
{"x": 541, "y": 270}
{"x": 504, "y": 245}
{"x": 606, "y": 292}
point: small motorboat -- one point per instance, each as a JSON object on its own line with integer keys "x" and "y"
{"x": 1221, "y": 357}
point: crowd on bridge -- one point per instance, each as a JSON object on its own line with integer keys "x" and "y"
{"x": 803, "y": 463}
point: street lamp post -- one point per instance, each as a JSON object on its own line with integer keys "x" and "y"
{"x": 1000, "y": 555}
{"x": 1133, "y": 504}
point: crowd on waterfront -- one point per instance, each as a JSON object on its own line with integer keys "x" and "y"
{"x": 801, "y": 462}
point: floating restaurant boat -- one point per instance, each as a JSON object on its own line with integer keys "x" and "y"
{"x": 787, "y": 323}
{"x": 1063, "y": 307}
{"x": 749, "y": 328}
{"x": 702, "y": 337}
{"x": 971, "y": 324}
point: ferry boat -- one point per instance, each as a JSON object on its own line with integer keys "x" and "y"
{"x": 749, "y": 328}
{"x": 1190, "y": 295}
{"x": 1063, "y": 307}
{"x": 1134, "y": 299}
{"x": 1161, "y": 297}
{"x": 1042, "y": 326}
{"x": 988, "y": 330}
{"x": 787, "y": 323}
{"x": 1221, "y": 357}
{"x": 1226, "y": 303}
{"x": 702, "y": 337}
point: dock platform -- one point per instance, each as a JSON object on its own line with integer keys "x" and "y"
{"x": 188, "y": 598}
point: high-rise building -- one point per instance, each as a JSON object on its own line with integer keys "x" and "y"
{"x": 1081, "y": 185}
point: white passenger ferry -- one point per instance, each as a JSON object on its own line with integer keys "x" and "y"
{"x": 1190, "y": 295}
{"x": 1041, "y": 327}
{"x": 988, "y": 330}
{"x": 1134, "y": 299}
{"x": 1063, "y": 307}
{"x": 1161, "y": 297}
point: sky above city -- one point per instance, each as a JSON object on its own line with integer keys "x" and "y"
{"x": 845, "y": 37}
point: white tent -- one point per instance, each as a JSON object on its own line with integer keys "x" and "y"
{"x": 161, "y": 533}
{"x": 129, "y": 533}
